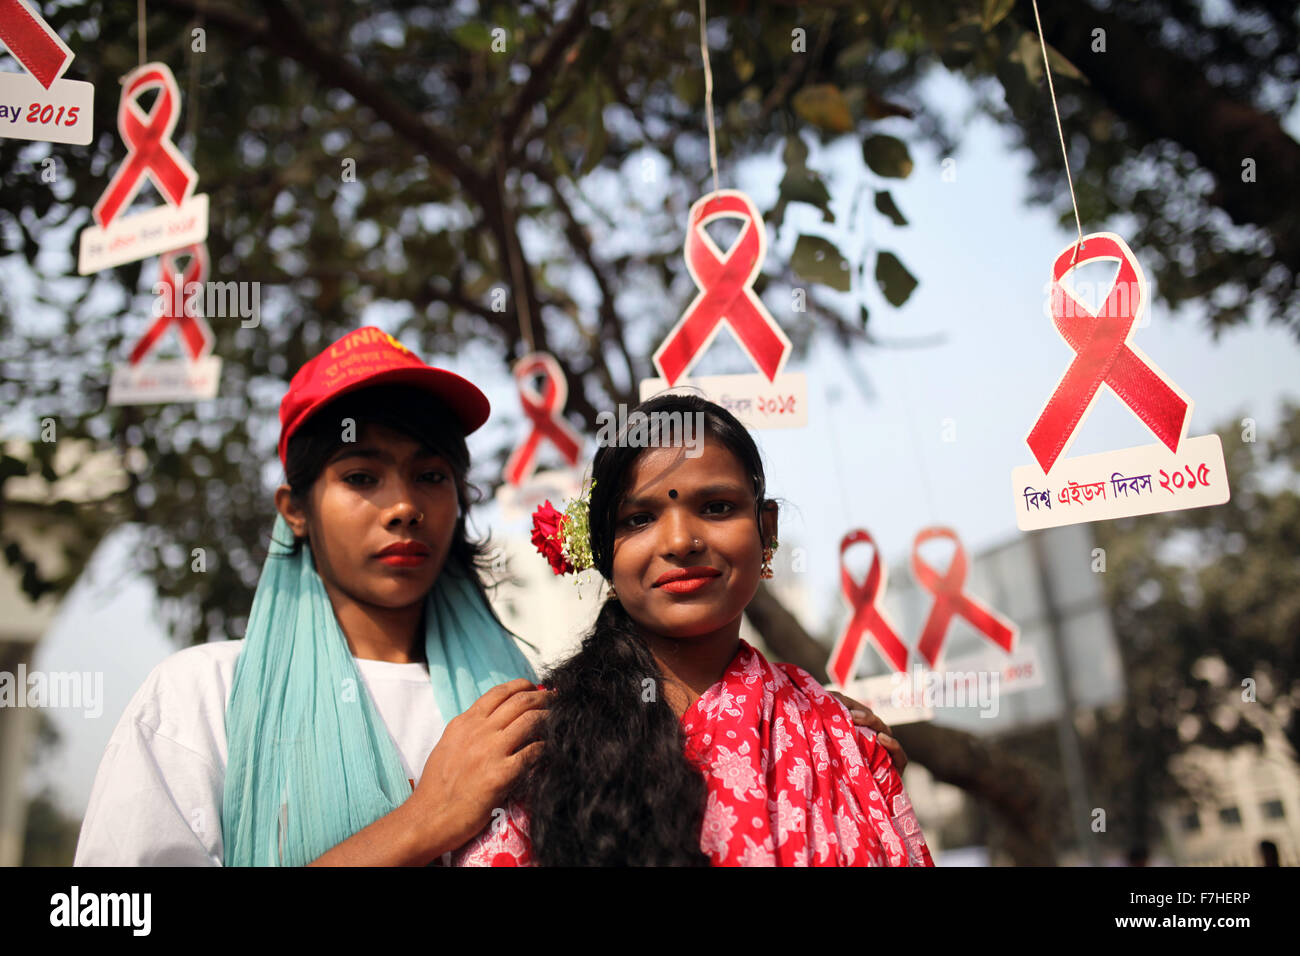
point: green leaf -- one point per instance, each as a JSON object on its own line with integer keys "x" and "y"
{"x": 807, "y": 188}
{"x": 473, "y": 35}
{"x": 995, "y": 11}
{"x": 895, "y": 282}
{"x": 887, "y": 156}
{"x": 856, "y": 56}
{"x": 742, "y": 64}
{"x": 795, "y": 153}
{"x": 885, "y": 204}
{"x": 1061, "y": 66}
{"x": 817, "y": 260}
{"x": 1030, "y": 55}
{"x": 595, "y": 136}
{"x": 824, "y": 106}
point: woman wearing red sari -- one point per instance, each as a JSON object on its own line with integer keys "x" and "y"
{"x": 669, "y": 740}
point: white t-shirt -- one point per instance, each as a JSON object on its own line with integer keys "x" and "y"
{"x": 157, "y": 795}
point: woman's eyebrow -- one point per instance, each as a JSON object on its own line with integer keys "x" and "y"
{"x": 373, "y": 452}
{"x": 365, "y": 452}
{"x": 708, "y": 491}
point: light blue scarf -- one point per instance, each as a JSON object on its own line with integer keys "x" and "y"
{"x": 311, "y": 762}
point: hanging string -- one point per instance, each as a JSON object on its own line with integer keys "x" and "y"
{"x": 708, "y": 94}
{"x": 1047, "y": 67}
{"x": 140, "y": 30}
{"x": 516, "y": 268}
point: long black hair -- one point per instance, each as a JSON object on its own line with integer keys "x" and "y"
{"x": 614, "y": 784}
{"x": 411, "y": 412}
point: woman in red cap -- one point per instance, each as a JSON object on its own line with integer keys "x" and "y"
{"x": 376, "y": 710}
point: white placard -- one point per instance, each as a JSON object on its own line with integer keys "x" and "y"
{"x": 519, "y": 503}
{"x": 890, "y": 698}
{"x": 973, "y": 682}
{"x": 1115, "y": 484}
{"x": 1019, "y": 670}
{"x": 169, "y": 380}
{"x": 144, "y": 234}
{"x": 65, "y": 113}
{"x": 756, "y": 402}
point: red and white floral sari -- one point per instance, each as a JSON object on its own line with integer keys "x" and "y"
{"x": 792, "y": 781}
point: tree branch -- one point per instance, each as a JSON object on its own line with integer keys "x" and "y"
{"x": 1168, "y": 96}
{"x": 611, "y": 327}
{"x": 282, "y": 32}
{"x": 542, "y": 72}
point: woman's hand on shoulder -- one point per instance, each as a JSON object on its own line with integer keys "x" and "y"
{"x": 479, "y": 756}
{"x": 863, "y": 716}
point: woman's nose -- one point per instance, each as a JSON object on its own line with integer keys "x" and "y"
{"x": 679, "y": 534}
{"x": 404, "y": 513}
{"x": 403, "y": 509}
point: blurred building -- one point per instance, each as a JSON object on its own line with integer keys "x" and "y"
{"x": 40, "y": 517}
{"x": 1249, "y": 794}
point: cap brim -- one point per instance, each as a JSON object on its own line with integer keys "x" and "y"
{"x": 466, "y": 401}
{"x": 461, "y": 395}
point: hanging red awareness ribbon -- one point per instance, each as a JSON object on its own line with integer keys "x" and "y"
{"x": 148, "y": 139}
{"x": 949, "y": 599}
{"x": 33, "y": 42}
{"x": 179, "y": 306}
{"x": 867, "y": 618}
{"x": 544, "y": 411}
{"x": 726, "y": 292}
{"x": 1104, "y": 355}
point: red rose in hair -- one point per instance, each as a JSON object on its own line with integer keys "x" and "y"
{"x": 547, "y": 523}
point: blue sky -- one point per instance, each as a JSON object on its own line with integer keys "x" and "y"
{"x": 982, "y": 257}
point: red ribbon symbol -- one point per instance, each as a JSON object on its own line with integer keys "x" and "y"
{"x": 1104, "y": 355}
{"x": 949, "y": 600}
{"x": 544, "y": 411}
{"x": 148, "y": 137}
{"x": 33, "y": 42}
{"x": 867, "y": 618}
{"x": 180, "y": 306}
{"x": 725, "y": 294}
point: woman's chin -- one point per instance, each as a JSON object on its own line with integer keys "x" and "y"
{"x": 691, "y": 623}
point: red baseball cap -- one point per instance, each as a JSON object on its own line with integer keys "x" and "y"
{"x": 370, "y": 356}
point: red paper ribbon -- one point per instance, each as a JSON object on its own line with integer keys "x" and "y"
{"x": 867, "y": 618}
{"x": 33, "y": 42}
{"x": 544, "y": 411}
{"x": 1104, "y": 356}
{"x": 148, "y": 139}
{"x": 726, "y": 292}
{"x": 949, "y": 600}
{"x": 195, "y": 332}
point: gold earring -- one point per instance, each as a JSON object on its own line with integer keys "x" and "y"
{"x": 765, "y": 571}
{"x": 612, "y": 593}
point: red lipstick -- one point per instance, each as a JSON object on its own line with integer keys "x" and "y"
{"x": 404, "y": 554}
{"x": 686, "y": 580}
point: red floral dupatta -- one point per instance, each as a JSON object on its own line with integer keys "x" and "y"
{"x": 792, "y": 781}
